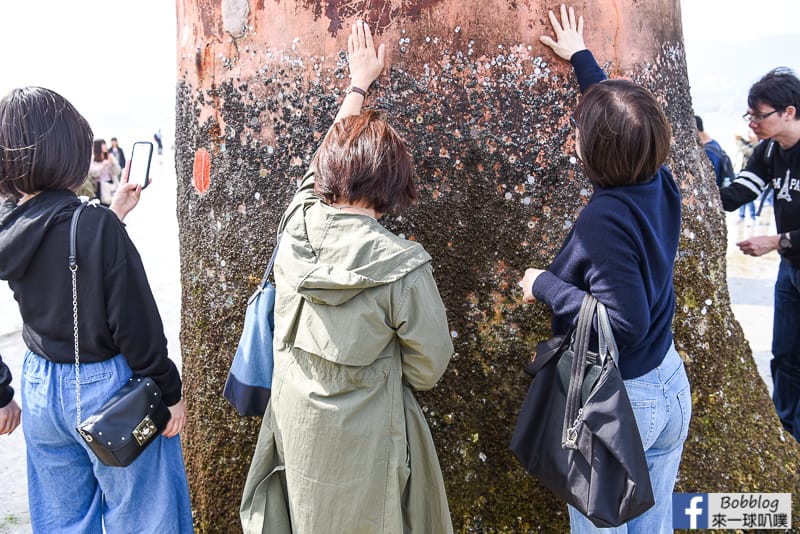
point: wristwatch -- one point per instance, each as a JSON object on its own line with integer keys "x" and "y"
{"x": 784, "y": 243}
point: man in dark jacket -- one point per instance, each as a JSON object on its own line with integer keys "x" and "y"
{"x": 774, "y": 116}
{"x": 719, "y": 159}
{"x": 9, "y": 409}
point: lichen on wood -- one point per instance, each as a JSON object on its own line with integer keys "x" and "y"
{"x": 484, "y": 109}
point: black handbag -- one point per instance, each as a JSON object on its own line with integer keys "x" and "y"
{"x": 127, "y": 423}
{"x": 576, "y": 431}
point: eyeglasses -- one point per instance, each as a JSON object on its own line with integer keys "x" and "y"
{"x": 757, "y": 117}
{"x": 572, "y": 122}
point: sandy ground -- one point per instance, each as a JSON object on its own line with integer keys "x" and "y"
{"x": 153, "y": 228}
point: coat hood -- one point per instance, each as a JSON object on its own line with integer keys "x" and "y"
{"x": 336, "y": 255}
{"x": 22, "y": 228}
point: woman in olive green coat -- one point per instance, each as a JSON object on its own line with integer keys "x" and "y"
{"x": 359, "y": 325}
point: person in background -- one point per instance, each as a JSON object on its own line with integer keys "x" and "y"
{"x": 622, "y": 251}
{"x": 359, "y": 326}
{"x": 45, "y": 146}
{"x": 103, "y": 170}
{"x": 723, "y": 169}
{"x": 9, "y": 409}
{"x": 773, "y": 113}
{"x": 159, "y": 143}
{"x": 745, "y": 147}
{"x": 117, "y": 152}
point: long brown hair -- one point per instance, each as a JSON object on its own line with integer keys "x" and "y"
{"x": 98, "y": 154}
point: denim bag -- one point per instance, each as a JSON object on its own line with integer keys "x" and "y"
{"x": 250, "y": 377}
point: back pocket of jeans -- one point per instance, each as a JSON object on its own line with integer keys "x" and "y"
{"x": 91, "y": 378}
{"x": 685, "y": 402}
{"x": 645, "y": 413}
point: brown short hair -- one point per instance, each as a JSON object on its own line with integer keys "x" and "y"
{"x": 44, "y": 143}
{"x": 624, "y": 134}
{"x": 363, "y": 158}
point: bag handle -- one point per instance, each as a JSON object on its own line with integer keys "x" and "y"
{"x": 580, "y": 349}
{"x": 72, "y": 262}
{"x": 264, "y": 281}
{"x": 606, "y": 345}
{"x": 271, "y": 263}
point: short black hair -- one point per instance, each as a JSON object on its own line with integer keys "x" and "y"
{"x": 698, "y": 122}
{"x": 779, "y": 88}
{"x": 44, "y": 143}
{"x": 623, "y": 131}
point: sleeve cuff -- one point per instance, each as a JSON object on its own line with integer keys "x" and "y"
{"x": 586, "y": 69}
{"x": 171, "y": 390}
{"x": 545, "y": 285}
{"x": 6, "y": 396}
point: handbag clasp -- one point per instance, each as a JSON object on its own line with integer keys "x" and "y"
{"x": 571, "y": 441}
{"x": 145, "y": 430}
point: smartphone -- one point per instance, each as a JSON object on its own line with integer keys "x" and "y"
{"x": 139, "y": 172}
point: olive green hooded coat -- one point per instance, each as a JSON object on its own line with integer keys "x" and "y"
{"x": 359, "y": 324}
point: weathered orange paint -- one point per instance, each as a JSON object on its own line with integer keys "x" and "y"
{"x": 201, "y": 174}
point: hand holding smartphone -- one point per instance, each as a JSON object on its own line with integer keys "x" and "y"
{"x": 139, "y": 171}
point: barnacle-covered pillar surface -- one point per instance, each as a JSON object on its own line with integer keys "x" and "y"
{"x": 485, "y": 110}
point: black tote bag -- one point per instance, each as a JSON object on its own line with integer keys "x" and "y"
{"x": 576, "y": 431}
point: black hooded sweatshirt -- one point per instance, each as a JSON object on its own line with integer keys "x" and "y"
{"x": 116, "y": 310}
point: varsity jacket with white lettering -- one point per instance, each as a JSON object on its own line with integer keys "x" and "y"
{"x": 781, "y": 171}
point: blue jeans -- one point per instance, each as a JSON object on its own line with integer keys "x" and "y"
{"x": 69, "y": 490}
{"x": 752, "y": 206}
{"x": 785, "y": 362}
{"x": 662, "y": 403}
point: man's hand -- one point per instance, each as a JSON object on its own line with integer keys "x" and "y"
{"x": 527, "y": 285}
{"x": 9, "y": 417}
{"x": 569, "y": 34}
{"x": 127, "y": 196}
{"x": 177, "y": 421}
{"x": 759, "y": 245}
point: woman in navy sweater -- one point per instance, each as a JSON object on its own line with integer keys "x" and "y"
{"x": 622, "y": 250}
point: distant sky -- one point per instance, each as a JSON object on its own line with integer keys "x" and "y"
{"x": 115, "y": 60}
{"x": 730, "y": 44}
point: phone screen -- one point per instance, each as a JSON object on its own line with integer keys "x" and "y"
{"x": 139, "y": 173}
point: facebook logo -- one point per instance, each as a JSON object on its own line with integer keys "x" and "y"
{"x": 690, "y": 510}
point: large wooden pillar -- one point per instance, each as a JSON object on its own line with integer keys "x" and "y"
{"x": 485, "y": 110}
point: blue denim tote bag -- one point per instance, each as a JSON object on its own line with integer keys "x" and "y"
{"x": 250, "y": 377}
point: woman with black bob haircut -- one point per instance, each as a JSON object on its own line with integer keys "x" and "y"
{"x": 45, "y": 147}
{"x": 359, "y": 326}
{"x": 622, "y": 250}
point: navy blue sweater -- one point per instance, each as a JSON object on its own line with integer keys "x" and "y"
{"x": 621, "y": 250}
